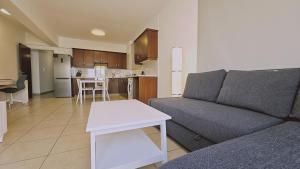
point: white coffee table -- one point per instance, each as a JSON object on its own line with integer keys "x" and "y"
{"x": 117, "y": 138}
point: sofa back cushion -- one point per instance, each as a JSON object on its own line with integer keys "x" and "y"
{"x": 267, "y": 91}
{"x": 204, "y": 86}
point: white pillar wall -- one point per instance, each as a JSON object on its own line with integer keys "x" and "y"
{"x": 176, "y": 71}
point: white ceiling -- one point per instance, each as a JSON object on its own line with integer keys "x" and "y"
{"x": 120, "y": 19}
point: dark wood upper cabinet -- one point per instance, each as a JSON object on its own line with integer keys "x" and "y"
{"x": 83, "y": 58}
{"x": 113, "y": 60}
{"x": 101, "y": 57}
{"x": 77, "y": 60}
{"x": 122, "y": 61}
{"x": 146, "y": 46}
{"x": 98, "y": 57}
{"x": 117, "y": 60}
{"x": 87, "y": 58}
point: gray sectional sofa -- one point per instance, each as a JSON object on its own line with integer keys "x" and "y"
{"x": 236, "y": 119}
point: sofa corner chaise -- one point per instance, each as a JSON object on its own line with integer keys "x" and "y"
{"x": 236, "y": 119}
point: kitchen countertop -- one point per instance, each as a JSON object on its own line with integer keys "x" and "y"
{"x": 146, "y": 75}
{"x": 117, "y": 77}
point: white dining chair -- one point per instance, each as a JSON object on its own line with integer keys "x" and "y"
{"x": 99, "y": 87}
{"x": 84, "y": 89}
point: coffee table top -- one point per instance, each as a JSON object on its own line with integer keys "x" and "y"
{"x": 124, "y": 113}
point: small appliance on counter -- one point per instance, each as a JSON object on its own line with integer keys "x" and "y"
{"x": 62, "y": 76}
{"x": 78, "y": 73}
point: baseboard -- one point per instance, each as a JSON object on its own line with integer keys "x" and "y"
{"x": 47, "y": 92}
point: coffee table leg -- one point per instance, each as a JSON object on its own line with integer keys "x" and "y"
{"x": 80, "y": 92}
{"x": 93, "y": 151}
{"x": 163, "y": 143}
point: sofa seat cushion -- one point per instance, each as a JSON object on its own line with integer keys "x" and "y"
{"x": 204, "y": 86}
{"x": 213, "y": 121}
{"x": 296, "y": 108}
{"x": 267, "y": 91}
{"x": 273, "y": 148}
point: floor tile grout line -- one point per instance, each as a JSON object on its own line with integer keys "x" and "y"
{"x": 37, "y": 140}
{"x": 58, "y": 105}
{"x": 25, "y": 115}
{"x": 76, "y": 149}
{"x": 21, "y": 160}
{"x": 28, "y": 131}
{"x": 54, "y": 144}
{"x": 30, "y": 116}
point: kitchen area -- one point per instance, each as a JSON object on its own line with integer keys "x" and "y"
{"x": 133, "y": 82}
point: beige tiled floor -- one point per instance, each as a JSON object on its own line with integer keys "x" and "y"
{"x": 49, "y": 133}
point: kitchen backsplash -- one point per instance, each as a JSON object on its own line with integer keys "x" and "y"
{"x": 149, "y": 67}
{"x": 89, "y": 73}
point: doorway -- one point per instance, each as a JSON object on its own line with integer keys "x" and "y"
{"x": 25, "y": 65}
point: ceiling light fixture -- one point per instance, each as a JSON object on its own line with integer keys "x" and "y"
{"x": 98, "y": 32}
{"x": 5, "y": 11}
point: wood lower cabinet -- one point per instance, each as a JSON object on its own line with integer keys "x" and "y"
{"x": 123, "y": 83}
{"x": 118, "y": 86}
{"x": 113, "y": 86}
{"x": 83, "y": 58}
{"x": 147, "y": 88}
{"x": 74, "y": 87}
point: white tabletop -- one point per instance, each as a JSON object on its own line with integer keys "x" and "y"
{"x": 7, "y": 83}
{"x": 4, "y": 82}
{"x": 113, "y": 114}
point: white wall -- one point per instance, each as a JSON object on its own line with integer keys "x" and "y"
{"x": 93, "y": 45}
{"x": 252, "y": 34}
{"x": 11, "y": 33}
{"x": 178, "y": 23}
{"x": 42, "y": 71}
{"x": 46, "y": 71}
{"x": 35, "y": 72}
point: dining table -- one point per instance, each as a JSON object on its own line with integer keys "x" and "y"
{"x": 83, "y": 82}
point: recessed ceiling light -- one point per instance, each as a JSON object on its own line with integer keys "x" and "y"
{"x": 5, "y": 11}
{"x": 98, "y": 32}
